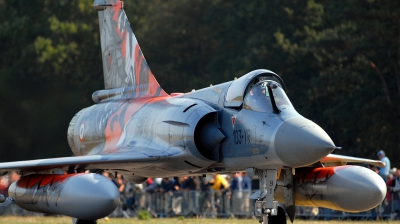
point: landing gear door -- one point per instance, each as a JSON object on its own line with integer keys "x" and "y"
{"x": 289, "y": 193}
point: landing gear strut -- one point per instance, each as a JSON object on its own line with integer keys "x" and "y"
{"x": 266, "y": 209}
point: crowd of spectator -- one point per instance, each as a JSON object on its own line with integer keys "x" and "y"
{"x": 189, "y": 195}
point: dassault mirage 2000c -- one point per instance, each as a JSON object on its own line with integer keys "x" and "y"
{"x": 138, "y": 130}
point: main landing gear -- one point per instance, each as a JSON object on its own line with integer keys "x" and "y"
{"x": 266, "y": 209}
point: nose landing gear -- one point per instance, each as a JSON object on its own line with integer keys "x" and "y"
{"x": 266, "y": 209}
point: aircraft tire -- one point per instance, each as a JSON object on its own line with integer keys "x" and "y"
{"x": 278, "y": 219}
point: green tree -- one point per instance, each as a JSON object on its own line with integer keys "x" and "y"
{"x": 48, "y": 71}
{"x": 354, "y": 88}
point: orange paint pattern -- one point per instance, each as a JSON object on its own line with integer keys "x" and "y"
{"x": 138, "y": 55}
{"x": 122, "y": 34}
{"x": 138, "y": 65}
{"x": 319, "y": 174}
{"x": 113, "y": 130}
{"x": 43, "y": 179}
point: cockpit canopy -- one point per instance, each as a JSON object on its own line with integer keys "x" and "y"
{"x": 242, "y": 92}
{"x": 258, "y": 97}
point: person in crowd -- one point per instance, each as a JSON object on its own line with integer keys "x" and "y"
{"x": 120, "y": 183}
{"x": 236, "y": 182}
{"x": 167, "y": 185}
{"x": 153, "y": 185}
{"x": 246, "y": 191}
{"x": 191, "y": 186}
{"x": 207, "y": 202}
{"x": 4, "y": 184}
{"x": 148, "y": 182}
{"x": 384, "y": 171}
{"x": 107, "y": 175}
{"x": 236, "y": 192}
{"x": 219, "y": 185}
{"x": 389, "y": 205}
{"x": 190, "y": 183}
{"x": 177, "y": 198}
{"x": 167, "y": 188}
{"x": 246, "y": 181}
{"x": 153, "y": 198}
{"x": 133, "y": 193}
{"x": 395, "y": 191}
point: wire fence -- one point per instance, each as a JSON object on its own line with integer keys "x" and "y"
{"x": 211, "y": 204}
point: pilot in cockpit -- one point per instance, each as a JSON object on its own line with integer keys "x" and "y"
{"x": 257, "y": 98}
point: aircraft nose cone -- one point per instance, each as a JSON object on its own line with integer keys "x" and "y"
{"x": 300, "y": 142}
{"x": 356, "y": 189}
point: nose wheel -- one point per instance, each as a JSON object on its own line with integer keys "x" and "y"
{"x": 280, "y": 218}
{"x": 274, "y": 215}
{"x": 266, "y": 209}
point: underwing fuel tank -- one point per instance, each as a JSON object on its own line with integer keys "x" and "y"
{"x": 342, "y": 188}
{"x": 80, "y": 195}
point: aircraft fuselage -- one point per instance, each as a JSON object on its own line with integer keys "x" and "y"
{"x": 204, "y": 132}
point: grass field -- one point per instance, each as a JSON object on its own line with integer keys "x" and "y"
{"x": 67, "y": 220}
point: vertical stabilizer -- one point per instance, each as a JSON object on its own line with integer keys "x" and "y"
{"x": 123, "y": 62}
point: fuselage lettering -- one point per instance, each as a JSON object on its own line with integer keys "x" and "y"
{"x": 241, "y": 136}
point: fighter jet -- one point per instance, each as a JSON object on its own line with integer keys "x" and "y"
{"x": 138, "y": 130}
